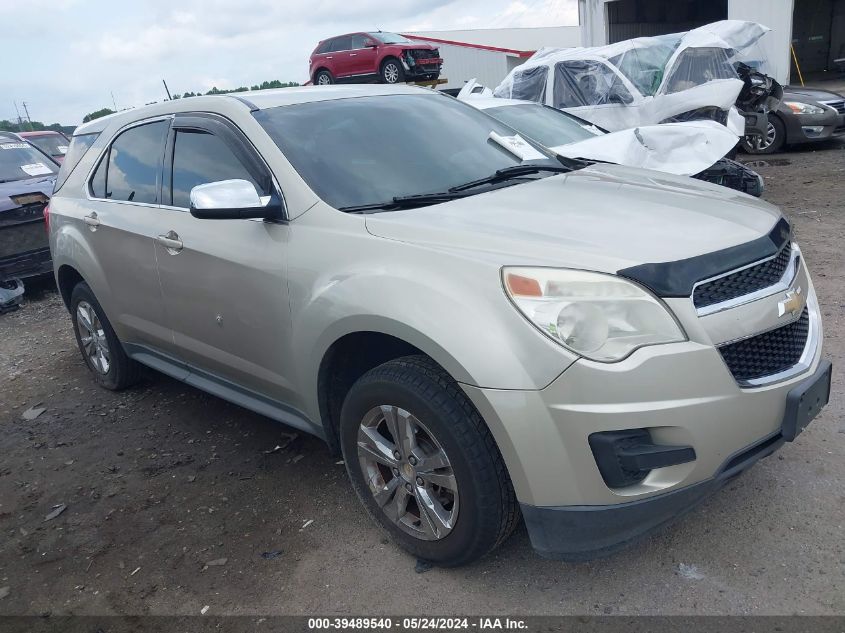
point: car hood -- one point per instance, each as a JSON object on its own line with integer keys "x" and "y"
{"x": 604, "y": 218}
{"x": 415, "y": 45}
{"x": 40, "y": 184}
{"x": 793, "y": 93}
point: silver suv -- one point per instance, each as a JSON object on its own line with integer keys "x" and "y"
{"x": 484, "y": 331}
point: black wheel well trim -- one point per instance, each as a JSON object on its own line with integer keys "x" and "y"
{"x": 319, "y": 70}
{"x": 386, "y": 59}
{"x": 347, "y": 359}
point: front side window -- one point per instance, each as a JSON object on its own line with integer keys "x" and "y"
{"x": 696, "y": 66}
{"x": 129, "y": 170}
{"x": 200, "y": 158}
{"x": 545, "y": 125}
{"x": 369, "y": 149}
{"x": 358, "y": 41}
{"x": 20, "y": 160}
{"x": 587, "y": 83}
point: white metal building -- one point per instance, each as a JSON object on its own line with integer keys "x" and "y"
{"x": 490, "y": 54}
{"x": 815, "y": 28}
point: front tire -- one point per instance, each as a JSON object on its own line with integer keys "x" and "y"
{"x": 772, "y": 142}
{"x": 101, "y": 349}
{"x": 392, "y": 71}
{"x": 424, "y": 464}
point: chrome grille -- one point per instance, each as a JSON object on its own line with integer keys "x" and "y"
{"x": 743, "y": 281}
{"x": 839, "y": 106}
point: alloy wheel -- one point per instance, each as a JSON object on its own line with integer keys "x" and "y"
{"x": 761, "y": 143}
{"x": 391, "y": 73}
{"x": 408, "y": 473}
{"x": 323, "y": 80}
{"x": 92, "y": 337}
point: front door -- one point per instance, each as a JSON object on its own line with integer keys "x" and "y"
{"x": 362, "y": 59}
{"x": 224, "y": 281}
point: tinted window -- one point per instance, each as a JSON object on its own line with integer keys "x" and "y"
{"x": 133, "y": 164}
{"x": 358, "y": 41}
{"x": 367, "y": 150}
{"x": 322, "y": 48}
{"x": 75, "y": 151}
{"x": 545, "y": 125}
{"x": 342, "y": 43}
{"x": 54, "y": 145}
{"x": 98, "y": 182}
{"x": 200, "y": 158}
{"x": 20, "y": 160}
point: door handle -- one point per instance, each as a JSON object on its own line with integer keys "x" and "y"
{"x": 353, "y": 54}
{"x": 171, "y": 242}
{"x": 329, "y": 57}
{"x": 91, "y": 220}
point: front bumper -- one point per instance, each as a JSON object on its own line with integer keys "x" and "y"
{"x": 584, "y": 532}
{"x": 683, "y": 394}
{"x": 809, "y": 128}
{"x": 25, "y": 265}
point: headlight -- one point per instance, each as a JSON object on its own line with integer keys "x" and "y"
{"x": 803, "y": 108}
{"x": 602, "y": 317}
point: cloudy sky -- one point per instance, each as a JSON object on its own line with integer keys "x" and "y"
{"x": 65, "y": 58}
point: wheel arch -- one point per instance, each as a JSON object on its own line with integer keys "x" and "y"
{"x": 318, "y": 71}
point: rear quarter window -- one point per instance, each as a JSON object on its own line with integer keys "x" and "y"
{"x": 79, "y": 146}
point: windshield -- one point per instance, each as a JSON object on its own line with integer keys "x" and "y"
{"x": 51, "y": 144}
{"x": 20, "y": 160}
{"x": 545, "y": 125}
{"x": 367, "y": 150}
{"x": 390, "y": 38}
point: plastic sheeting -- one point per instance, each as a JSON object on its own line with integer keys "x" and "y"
{"x": 642, "y": 81}
{"x": 683, "y": 149}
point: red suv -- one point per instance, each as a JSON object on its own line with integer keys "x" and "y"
{"x": 385, "y": 57}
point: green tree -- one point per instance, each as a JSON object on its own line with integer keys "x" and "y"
{"x": 97, "y": 114}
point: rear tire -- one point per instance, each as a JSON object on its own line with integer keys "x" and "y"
{"x": 773, "y": 142}
{"x": 450, "y": 465}
{"x": 101, "y": 350}
{"x": 392, "y": 71}
{"x": 323, "y": 78}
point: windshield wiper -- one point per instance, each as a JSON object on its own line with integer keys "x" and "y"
{"x": 510, "y": 173}
{"x": 405, "y": 202}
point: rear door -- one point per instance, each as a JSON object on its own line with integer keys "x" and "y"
{"x": 341, "y": 59}
{"x": 224, "y": 281}
{"x": 119, "y": 220}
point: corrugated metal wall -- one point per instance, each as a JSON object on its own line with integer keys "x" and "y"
{"x": 461, "y": 64}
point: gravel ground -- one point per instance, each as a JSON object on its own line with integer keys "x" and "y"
{"x": 174, "y": 500}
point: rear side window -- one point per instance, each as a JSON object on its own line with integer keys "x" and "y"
{"x": 323, "y": 47}
{"x": 200, "y": 158}
{"x": 79, "y": 145}
{"x": 129, "y": 170}
{"x": 530, "y": 85}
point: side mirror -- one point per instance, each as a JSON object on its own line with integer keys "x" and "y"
{"x": 370, "y": 44}
{"x": 233, "y": 200}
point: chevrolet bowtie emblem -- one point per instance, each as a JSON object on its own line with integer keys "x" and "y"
{"x": 792, "y": 303}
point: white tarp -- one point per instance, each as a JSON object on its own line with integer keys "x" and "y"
{"x": 642, "y": 81}
{"x": 675, "y": 148}
{"x": 683, "y": 149}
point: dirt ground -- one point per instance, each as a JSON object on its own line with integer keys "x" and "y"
{"x": 176, "y": 501}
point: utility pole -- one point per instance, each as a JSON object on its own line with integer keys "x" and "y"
{"x": 167, "y": 90}
{"x": 112, "y": 100}
{"x": 20, "y": 120}
{"x": 25, "y": 109}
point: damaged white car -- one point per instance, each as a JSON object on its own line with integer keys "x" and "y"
{"x": 713, "y": 72}
{"x": 695, "y": 148}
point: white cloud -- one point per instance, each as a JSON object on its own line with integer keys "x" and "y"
{"x": 96, "y": 47}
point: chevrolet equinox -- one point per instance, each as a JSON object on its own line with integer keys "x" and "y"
{"x": 484, "y": 331}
